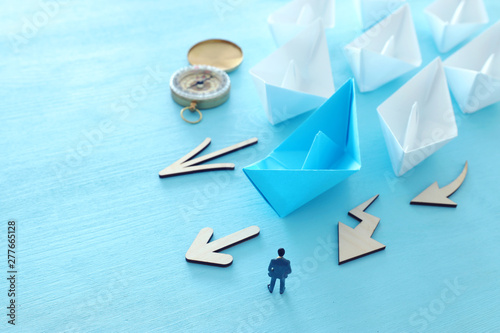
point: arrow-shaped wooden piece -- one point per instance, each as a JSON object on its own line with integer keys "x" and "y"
{"x": 187, "y": 165}
{"x": 357, "y": 242}
{"x": 203, "y": 252}
{"x": 435, "y": 196}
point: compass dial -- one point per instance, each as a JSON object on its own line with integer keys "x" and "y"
{"x": 203, "y": 82}
{"x": 206, "y": 85}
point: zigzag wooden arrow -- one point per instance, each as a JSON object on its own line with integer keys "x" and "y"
{"x": 357, "y": 242}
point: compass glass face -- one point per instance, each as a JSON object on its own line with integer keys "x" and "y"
{"x": 200, "y": 83}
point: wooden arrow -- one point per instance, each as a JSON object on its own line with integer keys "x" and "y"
{"x": 203, "y": 252}
{"x": 186, "y": 165}
{"x": 357, "y": 242}
{"x": 435, "y": 196}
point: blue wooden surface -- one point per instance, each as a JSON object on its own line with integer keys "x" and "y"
{"x": 102, "y": 239}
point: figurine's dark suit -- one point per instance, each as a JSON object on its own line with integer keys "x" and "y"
{"x": 279, "y": 268}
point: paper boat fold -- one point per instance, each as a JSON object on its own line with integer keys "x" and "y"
{"x": 297, "y": 77}
{"x": 319, "y": 154}
{"x": 384, "y": 52}
{"x": 418, "y": 119}
{"x": 372, "y": 11}
{"x": 473, "y": 72}
{"x": 453, "y": 21}
{"x": 293, "y": 17}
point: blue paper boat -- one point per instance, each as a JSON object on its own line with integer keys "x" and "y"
{"x": 322, "y": 152}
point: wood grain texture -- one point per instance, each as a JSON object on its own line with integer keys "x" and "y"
{"x": 435, "y": 196}
{"x": 187, "y": 164}
{"x": 203, "y": 251}
{"x": 357, "y": 242}
{"x": 87, "y": 122}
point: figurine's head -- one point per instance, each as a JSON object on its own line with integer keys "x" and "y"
{"x": 281, "y": 252}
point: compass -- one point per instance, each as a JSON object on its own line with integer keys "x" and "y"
{"x": 199, "y": 87}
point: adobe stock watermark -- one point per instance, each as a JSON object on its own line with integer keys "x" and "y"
{"x": 98, "y": 302}
{"x": 375, "y": 30}
{"x": 226, "y": 6}
{"x": 426, "y": 315}
{"x": 324, "y": 251}
{"x": 427, "y": 149}
{"x": 32, "y": 24}
{"x": 436, "y": 135}
{"x": 121, "y": 109}
{"x": 384, "y": 19}
{"x": 484, "y": 89}
{"x": 220, "y": 180}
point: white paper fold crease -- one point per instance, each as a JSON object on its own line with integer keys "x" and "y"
{"x": 474, "y": 71}
{"x": 297, "y": 77}
{"x": 372, "y": 11}
{"x": 418, "y": 119}
{"x": 293, "y": 17}
{"x": 384, "y": 52}
{"x": 452, "y": 21}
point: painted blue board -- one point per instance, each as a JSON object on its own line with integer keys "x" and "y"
{"x": 87, "y": 122}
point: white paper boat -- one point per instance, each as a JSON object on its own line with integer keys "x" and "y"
{"x": 452, "y": 21}
{"x": 297, "y": 77}
{"x": 418, "y": 119}
{"x": 372, "y": 11}
{"x": 292, "y": 18}
{"x": 385, "y": 51}
{"x": 474, "y": 71}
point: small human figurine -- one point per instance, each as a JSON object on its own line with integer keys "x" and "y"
{"x": 279, "y": 268}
